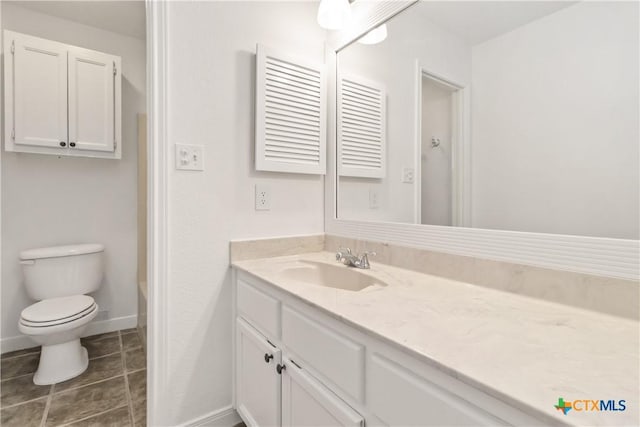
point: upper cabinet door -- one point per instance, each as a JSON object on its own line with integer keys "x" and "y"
{"x": 35, "y": 93}
{"x": 94, "y": 101}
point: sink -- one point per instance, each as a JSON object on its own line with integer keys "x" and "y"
{"x": 331, "y": 276}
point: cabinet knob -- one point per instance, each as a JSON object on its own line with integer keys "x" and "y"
{"x": 63, "y": 144}
{"x": 72, "y": 144}
{"x": 280, "y": 368}
{"x": 268, "y": 357}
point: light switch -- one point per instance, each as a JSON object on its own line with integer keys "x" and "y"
{"x": 189, "y": 157}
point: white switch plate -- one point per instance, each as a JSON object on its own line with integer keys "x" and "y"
{"x": 408, "y": 175}
{"x": 189, "y": 157}
{"x": 374, "y": 198}
{"x": 263, "y": 198}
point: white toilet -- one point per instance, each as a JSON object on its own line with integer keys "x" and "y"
{"x": 59, "y": 277}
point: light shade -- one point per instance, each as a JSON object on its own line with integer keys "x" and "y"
{"x": 334, "y": 14}
{"x": 374, "y": 36}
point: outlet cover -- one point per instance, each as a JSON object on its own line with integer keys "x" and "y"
{"x": 374, "y": 198}
{"x": 263, "y": 198}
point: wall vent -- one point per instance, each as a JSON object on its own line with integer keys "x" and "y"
{"x": 361, "y": 128}
{"x": 290, "y": 114}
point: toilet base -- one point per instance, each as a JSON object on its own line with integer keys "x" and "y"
{"x": 61, "y": 362}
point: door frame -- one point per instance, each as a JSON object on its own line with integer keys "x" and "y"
{"x": 158, "y": 261}
{"x": 460, "y": 148}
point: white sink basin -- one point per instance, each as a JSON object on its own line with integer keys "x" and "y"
{"x": 332, "y": 276}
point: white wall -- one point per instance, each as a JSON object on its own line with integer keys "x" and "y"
{"x": 555, "y": 113}
{"x": 437, "y": 105}
{"x": 48, "y": 200}
{"x": 411, "y": 37}
{"x": 211, "y": 92}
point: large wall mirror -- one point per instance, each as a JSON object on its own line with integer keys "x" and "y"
{"x": 519, "y": 116}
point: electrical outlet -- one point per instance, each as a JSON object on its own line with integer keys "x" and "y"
{"x": 374, "y": 198}
{"x": 189, "y": 157}
{"x": 263, "y": 198}
{"x": 408, "y": 175}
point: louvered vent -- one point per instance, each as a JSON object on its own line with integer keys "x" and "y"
{"x": 290, "y": 114}
{"x": 361, "y": 128}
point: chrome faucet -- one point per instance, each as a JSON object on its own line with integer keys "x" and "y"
{"x": 345, "y": 256}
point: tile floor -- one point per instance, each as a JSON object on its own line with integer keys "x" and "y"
{"x": 111, "y": 392}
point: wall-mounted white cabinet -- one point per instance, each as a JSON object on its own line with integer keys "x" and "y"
{"x": 61, "y": 99}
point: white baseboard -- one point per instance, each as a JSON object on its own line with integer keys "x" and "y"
{"x": 110, "y": 325}
{"x": 22, "y": 341}
{"x": 223, "y": 417}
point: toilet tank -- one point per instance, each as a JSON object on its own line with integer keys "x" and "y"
{"x": 60, "y": 271}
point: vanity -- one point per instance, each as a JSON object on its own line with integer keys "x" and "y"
{"x": 320, "y": 343}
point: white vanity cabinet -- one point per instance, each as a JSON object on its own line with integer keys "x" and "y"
{"x": 326, "y": 372}
{"x": 61, "y": 99}
{"x": 258, "y": 383}
{"x": 271, "y": 389}
{"x": 307, "y": 402}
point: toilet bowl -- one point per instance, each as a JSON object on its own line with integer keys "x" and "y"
{"x": 60, "y": 277}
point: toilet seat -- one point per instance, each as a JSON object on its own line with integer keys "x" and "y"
{"x": 57, "y": 313}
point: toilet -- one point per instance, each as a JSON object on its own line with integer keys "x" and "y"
{"x": 59, "y": 278}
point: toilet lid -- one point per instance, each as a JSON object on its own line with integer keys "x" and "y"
{"x": 56, "y": 309}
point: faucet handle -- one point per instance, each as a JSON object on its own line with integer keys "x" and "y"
{"x": 364, "y": 259}
{"x": 341, "y": 252}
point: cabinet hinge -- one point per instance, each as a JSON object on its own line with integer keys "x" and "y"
{"x": 13, "y": 134}
{"x": 115, "y": 69}
{"x": 115, "y": 144}
{"x": 13, "y": 47}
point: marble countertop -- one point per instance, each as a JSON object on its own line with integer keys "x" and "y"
{"x": 523, "y": 351}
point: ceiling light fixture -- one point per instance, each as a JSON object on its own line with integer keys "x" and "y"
{"x": 374, "y": 36}
{"x": 334, "y": 14}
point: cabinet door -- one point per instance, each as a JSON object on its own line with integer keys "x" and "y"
{"x": 36, "y": 92}
{"x": 306, "y": 402}
{"x": 93, "y": 100}
{"x": 258, "y": 386}
{"x": 400, "y": 397}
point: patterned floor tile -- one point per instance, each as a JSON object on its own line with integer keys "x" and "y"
{"x": 81, "y": 402}
{"x": 131, "y": 341}
{"x": 17, "y": 366}
{"x": 99, "y": 369}
{"x": 25, "y": 415}
{"x": 114, "y": 418}
{"x": 135, "y": 359}
{"x": 138, "y": 385}
{"x": 102, "y": 347}
{"x": 21, "y": 389}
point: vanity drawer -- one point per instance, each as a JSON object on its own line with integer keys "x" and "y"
{"x": 401, "y": 397}
{"x": 259, "y": 309}
{"x": 331, "y": 354}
